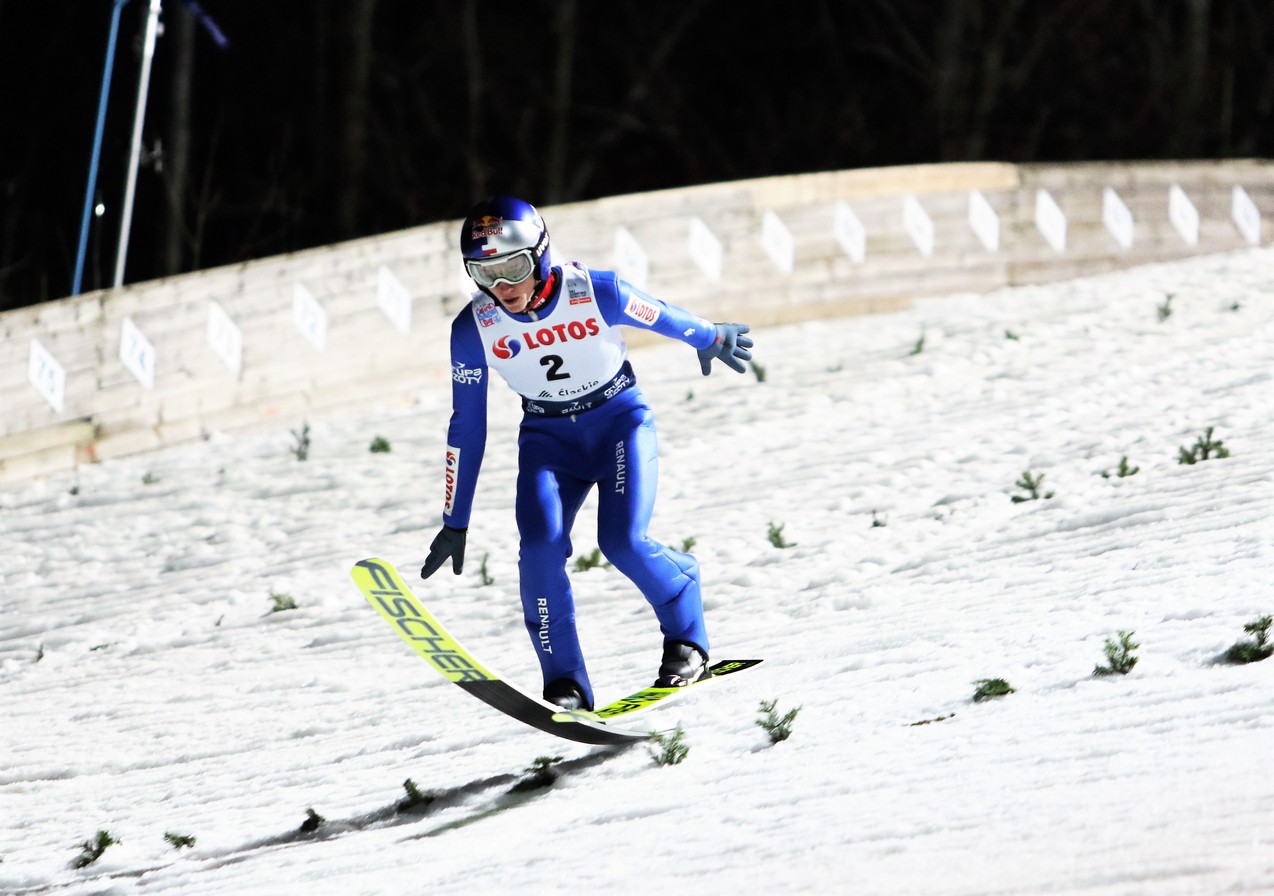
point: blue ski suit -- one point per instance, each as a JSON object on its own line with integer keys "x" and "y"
{"x": 585, "y": 423}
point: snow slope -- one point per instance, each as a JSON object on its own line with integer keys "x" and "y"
{"x": 148, "y": 689}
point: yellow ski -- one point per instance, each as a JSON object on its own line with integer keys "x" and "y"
{"x": 385, "y": 590}
{"x": 648, "y": 697}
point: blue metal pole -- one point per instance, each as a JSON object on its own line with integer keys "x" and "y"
{"x": 97, "y": 147}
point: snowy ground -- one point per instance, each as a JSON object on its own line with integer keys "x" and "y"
{"x": 148, "y": 689}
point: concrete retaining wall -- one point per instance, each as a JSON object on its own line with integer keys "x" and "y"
{"x": 67, "y": 395}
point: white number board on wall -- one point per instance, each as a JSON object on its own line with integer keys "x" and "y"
{"x": 705, "y": 249}
{"x": 309, "y": 317}
{"x": 984, "y": 222}
{"x": 1183, "y": 215}
{"x": 47, "y": 375}
{"x": 778, "y": 243}
{"x": 394, "y": 299}
{"x": 918, "y": 224}
{"x": 850, "y": 232}
{"x": 464, "y": 284}
{"x": 137, "y": 354}
{"x": 1117, "y": 217}
{"x": 631, "y": 262}
{"x": 1050, "y": 220}
{"x": 225, "y": 337}
{"x": 1247, "y": 217}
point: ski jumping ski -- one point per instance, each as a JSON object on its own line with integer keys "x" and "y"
{"x": 385, "y": 590}
{"x": 652, "y": 696}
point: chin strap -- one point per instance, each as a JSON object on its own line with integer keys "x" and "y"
{"x": 541, "y": 295}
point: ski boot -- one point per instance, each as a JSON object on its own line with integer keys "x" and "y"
{"x": 565, "y": 693}
{"x": 683, "y": 664}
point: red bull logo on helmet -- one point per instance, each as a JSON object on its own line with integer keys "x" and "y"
{"x": 487, "y": 225}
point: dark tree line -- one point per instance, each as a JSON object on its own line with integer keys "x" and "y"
{"x": 330, "y": 119}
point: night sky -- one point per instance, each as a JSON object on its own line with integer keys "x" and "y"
{"x": 327, "y": 120}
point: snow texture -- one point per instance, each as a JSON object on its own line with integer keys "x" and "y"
{"x": 148, "y": 689}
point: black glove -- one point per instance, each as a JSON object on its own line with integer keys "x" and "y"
{"x": 731, "y": 346}
{"x": 448, "y": 542}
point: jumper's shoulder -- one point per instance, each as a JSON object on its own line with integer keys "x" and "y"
{"x": 610, "y": 278}
{"x": 608, "y": 289}
{"x": 467, "y": 308}
{"x": 465, "y": 340}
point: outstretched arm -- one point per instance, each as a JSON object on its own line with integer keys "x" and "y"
{"x": 623, "y": 303}
{"x": 467, "y": 431}
{"x": 727, "y": 342}
{"x": 466, "y": 444}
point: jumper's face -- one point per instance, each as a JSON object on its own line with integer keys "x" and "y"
{"x": 515, "y": 297}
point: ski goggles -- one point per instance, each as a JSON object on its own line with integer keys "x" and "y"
{"x": 510, "y": 269}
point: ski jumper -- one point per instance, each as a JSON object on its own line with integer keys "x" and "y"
{"x": 585, "y": 422}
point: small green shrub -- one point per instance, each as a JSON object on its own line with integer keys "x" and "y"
{"x": 778, "y": 728}
{"x": 538, "y": 775}
{"x": 313, "y": 821}
{"x": 1202, "y": 449}
{"x": 990, "y": 688}
{"x": 379, "y": 446}
{"x": 1031, "y": 483}
{"x": 301, "y": 443}
{"x": 415, "y": 800}
{"x": 758, "y": 371}
{"x": 1119, "y": 655}
{"x": 91, "y": 850}
{"x": 1258, "y": 648}
{"x": 776, "y": 536}
{"x": 281, "y": 602}
{"x": 180, "y": 841}
{"x": 1124, "y": 470}
{"x": 672, "y": 747}
{"x": 487, "y": 579}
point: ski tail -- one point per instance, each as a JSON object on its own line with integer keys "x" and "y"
{"x": 646, "y": 698}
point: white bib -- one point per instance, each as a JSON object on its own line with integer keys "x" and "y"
{"x": 566, "y": 354}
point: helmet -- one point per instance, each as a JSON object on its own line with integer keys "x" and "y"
{"x": 504, "y": 240}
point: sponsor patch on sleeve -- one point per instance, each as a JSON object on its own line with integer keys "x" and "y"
{"x": 641, "y": 310}
{"x": 450, "y": 475}
{"x": 468, "y": 375}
